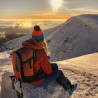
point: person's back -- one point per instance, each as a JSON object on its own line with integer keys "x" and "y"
{"x": 41, "y": 63}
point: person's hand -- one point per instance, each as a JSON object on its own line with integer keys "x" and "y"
{"x": 48, "y": 57}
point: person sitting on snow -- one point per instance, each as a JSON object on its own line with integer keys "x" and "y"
{"x": 42, "y": 63}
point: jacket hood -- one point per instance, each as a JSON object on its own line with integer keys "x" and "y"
{"x": 32, "y": 43}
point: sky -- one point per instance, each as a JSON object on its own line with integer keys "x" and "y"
{"x": 45, "y": 9}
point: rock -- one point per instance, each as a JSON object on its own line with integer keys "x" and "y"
{"x": 53, "y": 90}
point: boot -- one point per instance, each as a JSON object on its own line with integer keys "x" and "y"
{"x": 73, "y": 88}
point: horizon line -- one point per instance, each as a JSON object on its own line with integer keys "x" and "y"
{"x": 33, "y": 19}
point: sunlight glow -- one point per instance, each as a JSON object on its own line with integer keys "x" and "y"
{"x": 56, "y": 3}
{"x": 26, "y": 25}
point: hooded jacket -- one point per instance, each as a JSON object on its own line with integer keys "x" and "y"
{"x": 41, "y": 61}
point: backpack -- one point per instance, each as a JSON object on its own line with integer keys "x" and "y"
{"x": 23, "y": 60}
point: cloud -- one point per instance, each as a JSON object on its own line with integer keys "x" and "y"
{"x": 50, "y": 16}
{"x": 85, "y": 10}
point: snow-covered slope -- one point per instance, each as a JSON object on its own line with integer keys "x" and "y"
{"x": 77, "y": 36}
{"x": 81, "y": 70}
{"x": 15, "y": 43}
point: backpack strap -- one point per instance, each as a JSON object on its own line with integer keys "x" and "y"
{"x": 28, "y": 60}
{"x": 34, "y": 54}
{"x": 21, "y": 63}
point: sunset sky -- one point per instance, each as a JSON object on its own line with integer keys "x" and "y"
{"x": 46, "y": 9}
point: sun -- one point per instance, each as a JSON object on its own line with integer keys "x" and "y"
{"x": 56, "y": 3}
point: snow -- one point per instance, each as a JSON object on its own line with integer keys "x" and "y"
{"x": 5, "y": 58}
{"x": 76, "y": 37}
{"x": 15, "y": 43}
{"x": 53, "y": 90}
{"x": 82, "y": 70}
{"x": 73, "y": 46}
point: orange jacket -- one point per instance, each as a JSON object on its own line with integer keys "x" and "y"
{"x": 41, "y": 60}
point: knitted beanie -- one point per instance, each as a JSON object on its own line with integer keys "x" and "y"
{"x": 37, "y": 34}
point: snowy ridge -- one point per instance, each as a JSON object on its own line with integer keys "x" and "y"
{"x": 15, "y": 43}
{"x": 78, "y": 36}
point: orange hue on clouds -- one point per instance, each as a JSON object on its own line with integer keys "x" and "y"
{"x": 40, "y": 16}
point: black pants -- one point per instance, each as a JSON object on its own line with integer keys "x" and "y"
{"x": 56, "y": 75}
{"x": 61, "y": 79}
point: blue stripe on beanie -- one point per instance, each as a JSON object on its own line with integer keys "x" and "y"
{"x": 38, "y": 37}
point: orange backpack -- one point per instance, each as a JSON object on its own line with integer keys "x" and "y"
{"x": 23, "y": 60}
{"x": 23, "y": 65}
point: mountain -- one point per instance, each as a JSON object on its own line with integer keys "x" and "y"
{"x": 73, "y": 46}
{"x": 77, "y": 36}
